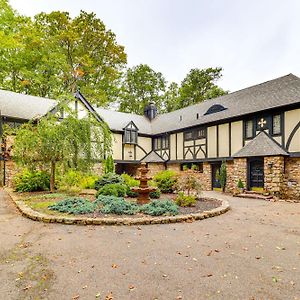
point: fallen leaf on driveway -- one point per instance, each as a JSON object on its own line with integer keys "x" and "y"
{"x": 75, "y": 297}
{"x": 98, "y": 295}
{"x": 209, "y": 253}
{"x": 27, "y": 287}
{"x": 109, "y": 296}
{"x": 114, "y": 266}
{"x": 131, "y": 287}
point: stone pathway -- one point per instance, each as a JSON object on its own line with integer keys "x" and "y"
{"x": 251, "y": 252}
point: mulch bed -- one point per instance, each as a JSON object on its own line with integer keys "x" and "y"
{"x": 203, "y": 204}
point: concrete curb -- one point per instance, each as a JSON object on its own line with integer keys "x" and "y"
{"x": 28, "y": 212}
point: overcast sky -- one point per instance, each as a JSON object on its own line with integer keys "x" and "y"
{"x": 252, "y": 40}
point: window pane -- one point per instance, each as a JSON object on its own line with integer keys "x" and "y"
{"x": 163, "y": 142}
{"x": 188, "y": 135}
{"x": 249, "y": 129}
{"x": 276, "y": 124}
{"x": 158, "y": 143}
{"x": 201, "y": 133}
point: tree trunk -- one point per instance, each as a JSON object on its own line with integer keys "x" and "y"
{"x": 52, "y": 177}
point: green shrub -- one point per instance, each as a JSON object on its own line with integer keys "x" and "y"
{"x": 166, "y": 180}
{"x": 240, "y": 184}
{"x": 160, "y": 207}
{"x": 120, "y": 207}
{"x": 78, "y": 179}
{"x": 130, "y": 182}
{"x": 222, "y": 176}
{"x": 155, "y": 194}
{"x": 73, "y": 206}
{"x": 185, "y": 200}
{"x": 109, "y": 165}
{"x": 32, "y": 181}
{"x": 108, "y": 178}
{"x": 115, "y": 205}
{"x": 114, "y": 189}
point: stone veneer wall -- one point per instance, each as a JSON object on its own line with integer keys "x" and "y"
{"x": 204, "y": 177}
{"x": 292, "y": 178}
{"x": 11, "y": 169}
{"x": 274, "y": 175}
{"x": 231, "y": 184}
{"x": 174, "y": 166}
{"x": 236, "y": 170}
{"x": 155, "y": 168}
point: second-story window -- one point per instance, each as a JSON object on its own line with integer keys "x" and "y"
{"x": 130, "y": 134}
{"x": 249, "y": 132}
{"x": 276, "y": 124}
{"x": 161, "y": 142}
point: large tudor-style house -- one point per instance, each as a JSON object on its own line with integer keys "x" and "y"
{"x": 256, "y": 131}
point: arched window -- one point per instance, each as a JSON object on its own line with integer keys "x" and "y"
{"x": 130, "y": 134}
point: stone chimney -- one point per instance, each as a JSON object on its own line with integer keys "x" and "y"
{"x": 150, "y": 111}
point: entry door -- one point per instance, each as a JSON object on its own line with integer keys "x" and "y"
{"x": 215, "y": 168}
{"x": 256, "y": 170}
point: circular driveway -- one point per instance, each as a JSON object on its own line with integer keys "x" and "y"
{"x": 251, "y": 252}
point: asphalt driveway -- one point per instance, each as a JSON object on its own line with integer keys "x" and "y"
{"x": 251, "y": 252}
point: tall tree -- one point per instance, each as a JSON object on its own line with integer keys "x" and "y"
{"x": 141, "y": 85}
{"x": 49, "y": 143}
{"x": 199, "y": 85}
{"x": 171, "y": 98}
{"x": 54, "y": 55}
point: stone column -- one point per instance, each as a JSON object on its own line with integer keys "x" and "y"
{"x": 206, "y": 175}
{"x": 238, "y": 171}
{"x": 274, "y": 174}
{"x": 292, "y": 178}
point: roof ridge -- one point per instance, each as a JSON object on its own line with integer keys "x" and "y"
{"x": 240, "y": 90}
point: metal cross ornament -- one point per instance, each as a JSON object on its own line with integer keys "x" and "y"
{"x": 262, "y": 123}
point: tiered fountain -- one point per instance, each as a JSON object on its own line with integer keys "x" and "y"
{"x": 143, "y": 190}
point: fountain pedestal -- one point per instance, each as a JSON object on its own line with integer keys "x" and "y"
{"x": 143, "y": 190}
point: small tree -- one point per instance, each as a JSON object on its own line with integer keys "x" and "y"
{"x": 49, "y": 142}
{"x": 109, "y": 165}
{"x": 188, "y": 183}
{"x": 222, "y": 176}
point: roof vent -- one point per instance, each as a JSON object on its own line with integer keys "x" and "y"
{"x": 215, "y": 108}
{"x": 150, "y": 111}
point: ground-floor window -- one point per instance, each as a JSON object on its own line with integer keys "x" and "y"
{"x": 197, "y": 166}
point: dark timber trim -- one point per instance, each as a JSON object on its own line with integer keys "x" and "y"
{"x": 229, "y": 128}
{"x": 217, "y": 143}
{"x": 288, "y": 143}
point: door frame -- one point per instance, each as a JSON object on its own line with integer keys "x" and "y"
{"x": 249, "y": 161}
{"x": 213, "y": 166}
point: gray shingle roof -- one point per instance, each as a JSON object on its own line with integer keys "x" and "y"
{"x": 24, "y": 106}
{"x": 118, "y": 120}
{"x": 271, "y": 94}
{"x": 152, "y": 157}
{"x": 261, "y": 145}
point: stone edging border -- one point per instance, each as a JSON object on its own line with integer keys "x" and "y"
{"x": 28, "y": 212}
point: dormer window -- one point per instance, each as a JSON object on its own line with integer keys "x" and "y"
{"x": 130, "y": 134}
{"x": 215, "y": 108}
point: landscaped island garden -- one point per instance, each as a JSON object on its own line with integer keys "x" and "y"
{"x": 111, "y": 195}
